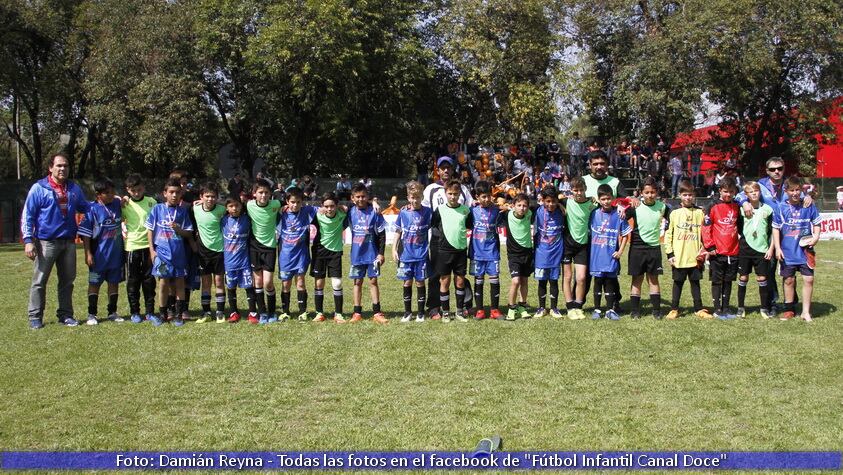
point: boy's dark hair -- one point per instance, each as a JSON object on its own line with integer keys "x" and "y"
{"x": 521, "y": 197}
{"x": 102, "y": 185}
{"x": 482, "y": 187}
{"x": 359, "y": 188}
{"x": 232, "y": 200}
{"x": 453, "y": 184}
{"x": 794, "y": 181}
{"x": 329, "y": 196}
{"x": 295, "y": 192}
{"x": 209, "y": 187}
{"x": 729, "y": 183}
{"x": 577, "y": 182}
{"x": 261, "y": 183}
{"x": 549, "y": 191}
{"x": 685, "y": 186}
{"x": 176, "y": 182}
{"x": 605, "y": 190}
{"x": 651, "y": 182}
{"x": 133, "y": 180}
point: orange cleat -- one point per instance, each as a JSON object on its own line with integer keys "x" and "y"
{"x": 480, "y": 315}
{"x": 495, "y": 314}
{"x": 380, "y": 318}
{"x": 356, "y": 317}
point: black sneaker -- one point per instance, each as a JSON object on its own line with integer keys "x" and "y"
{"x": 635, "y": 315}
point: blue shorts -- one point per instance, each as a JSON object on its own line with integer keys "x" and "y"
{"x": 547, "y": 273}
{"x": 285, "y": 275}
{"x": 480, "y": 268}
{"x": 112, "y": 276}
{"x": 790, "y": 270}
{"x": 165, "y": 270}
{"x": 364, "y": 270}
{"x": 412, "y": 270}
{"x": 611, "y": 275}
{"x": 239, "y": 278}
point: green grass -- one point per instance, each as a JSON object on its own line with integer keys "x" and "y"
{"x": 688, "y": 384}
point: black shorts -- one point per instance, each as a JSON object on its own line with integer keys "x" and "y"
{"x": 645, "y": 261}
{"x": 138, "y": 264}
{"x": 723, "y": 268}
{"x": 210, "y": 262}
{"x": 262, "y": 257}
{"x": 521, "y": 266}
{"x": 451, "y": 262}
{"x": 680, "y": 274}
{"x": 752, "y": 259}
{"x": 327, "y": 266}
{"x": 575, "y": 252}
{"x": 790, "y": 271}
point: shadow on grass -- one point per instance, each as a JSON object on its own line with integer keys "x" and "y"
{"x": 822, "y": 309}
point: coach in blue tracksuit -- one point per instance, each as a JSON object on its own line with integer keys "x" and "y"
{"x": 48, "y": 227}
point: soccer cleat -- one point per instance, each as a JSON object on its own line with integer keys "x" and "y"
{"x": 92, "y": 320}
{"x": 522, "y": 312}
{"x": 114, "y": 317}
{"x": 319, "y": 318}
{"x": 253, "y": 318}
{"x": 156, "y": 320}
{"x": 480, "y": 315}
{"x": 356, "y": 317}
{"x": 576, "y": 314}
{"x": 787, "y": 315}
{"x": 178, "y": 321}
{"x": 407, "y": 318}
{"x": 338, "y": 318}
{"x": 741, "y": 312}
{"x": 380, "y": 318}
{"x": 725, "y": 316}
{"x": 495, "y": 314}
{"x": 420, "y": 317}
{"x": 596, "y": 315}
{"x": 205, "y": 318}
{"x": 303, "y": 317}
{"x": 704, "y": 314}
{"x": 657, "y": 315}
{"x": 766, "y": 314}
{"x": 460, "y": 317}
{"x": 264, "y": 319}
{"x": 36, "y": 324}
{"x": 149, "y": 316}
{"x": 510, "y": 315}
{"x": 807, "y": 317}
{"x": 673, "y": 314}
{"x": 446, "y": 318}
{"x": 635, "y": 315}
{"x": 233, "y": 317}
{"x": 272, "y": 318}
{"x": 435, "y": 316}
{"x": 219, "y": 317}
{"x": 541, "y": 312}
{"x": 283, "y": 317}
{"x": 136, "y": 318}
{"x": 555, "y": 314}
{"x": 612, "y": 315}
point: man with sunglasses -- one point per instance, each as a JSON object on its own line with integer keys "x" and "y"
{"x": 773, "y": 189}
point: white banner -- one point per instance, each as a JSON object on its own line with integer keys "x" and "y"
{"x": 832, "y": 226}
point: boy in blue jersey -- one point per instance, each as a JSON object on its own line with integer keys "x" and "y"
{"x": 550, "y": 247}
{"x": 485, "y": 250}
{"x": 796, "y": 230}
{"x": 238, "y": 269}
{"x": 609, "y": 235}
{"x": 170, "y": 232}
{"x": 368, "y": 242}
{"x": 102, "y": 237}
{"x": 411, "y": 236}
{"x": 294, "y": 256}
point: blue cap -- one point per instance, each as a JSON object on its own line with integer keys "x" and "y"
{"x": 444, "y": 159}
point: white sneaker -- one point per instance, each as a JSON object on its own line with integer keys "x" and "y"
{"x": 458, "y": 316}
{"x": 116, "y": 318}
{"x": 92, "y": 320}
{"x": 420, "y": 318}
{"x": 407, "y": 318}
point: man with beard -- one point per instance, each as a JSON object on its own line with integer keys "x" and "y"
{"x": 433, "y": 197}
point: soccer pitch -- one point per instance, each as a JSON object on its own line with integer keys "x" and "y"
{"x": 541, "y": 384}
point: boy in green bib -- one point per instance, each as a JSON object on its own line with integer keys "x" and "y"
{"x": 520, "y": 250}
{"x": 756, "y": 250}
{"x": 207, "y": 214}
{"x": 645, "y": 254}
{"x": 452, "y": 220}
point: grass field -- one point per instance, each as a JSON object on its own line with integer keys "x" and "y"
{"x": 686, "y": 384}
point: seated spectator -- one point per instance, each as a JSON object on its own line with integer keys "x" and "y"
{"x": 279, "y": 193}
{"x": 343, "y": 189}
{"x": 367, "y": 182}
{"x": 376, "y": 204}
{"x": 309, "y": 187}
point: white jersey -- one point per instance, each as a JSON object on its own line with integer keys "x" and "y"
{"x": 434, "y": 196}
